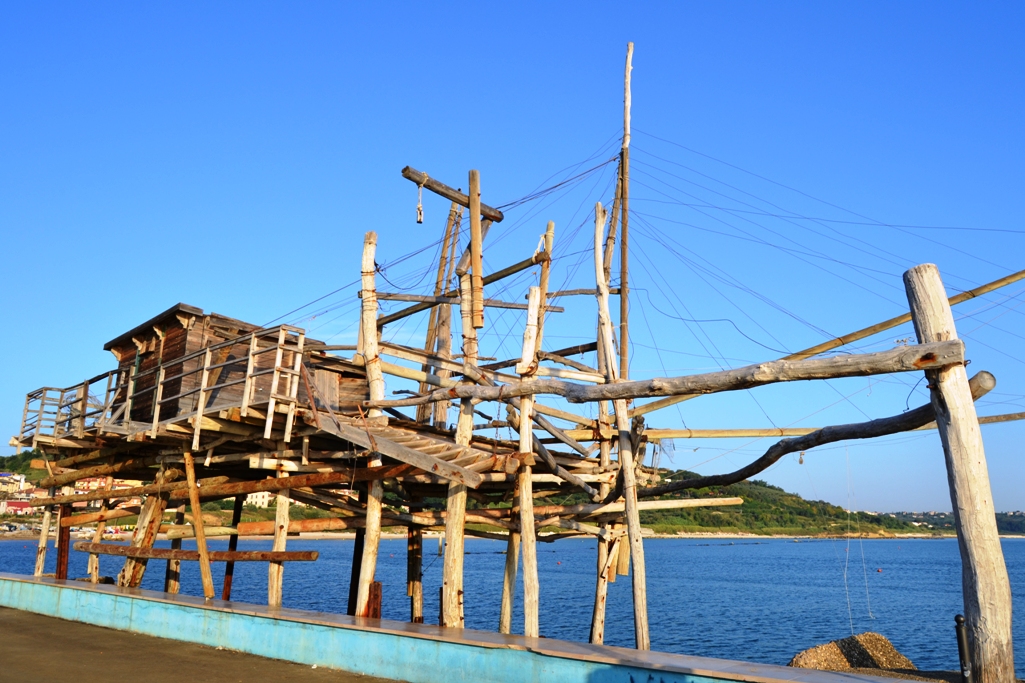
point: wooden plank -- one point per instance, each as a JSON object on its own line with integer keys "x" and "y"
{"x": 193, "y": 555}
{"x": 406, "y": 455}
{"x": 449, "y": 193}
{"x": 987, "y": 591}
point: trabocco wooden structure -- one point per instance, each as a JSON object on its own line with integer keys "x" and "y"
{"x": 203, "y": 408}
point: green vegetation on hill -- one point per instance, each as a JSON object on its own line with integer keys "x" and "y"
{"x": 769, "y": 510}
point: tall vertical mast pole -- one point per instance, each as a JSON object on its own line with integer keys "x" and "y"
{"x": 624, "y": 250}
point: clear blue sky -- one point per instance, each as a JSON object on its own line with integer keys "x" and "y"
{"x": 231, "y": 156}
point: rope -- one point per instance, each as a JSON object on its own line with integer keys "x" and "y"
{"x": 420, "y": 200}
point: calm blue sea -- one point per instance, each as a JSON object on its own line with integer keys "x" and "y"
{"x": 753, "y": 600}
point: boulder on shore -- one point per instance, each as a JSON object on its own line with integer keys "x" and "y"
{"x": 864, "y": 651}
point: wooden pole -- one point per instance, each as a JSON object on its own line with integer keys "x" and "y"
{"x": 452, "y": 579}
{"x": 63, "y": 546}
{"x": 987, "y": 591}
{"x": 626, "y": 463}
{"x": 368, "y": 321}
{"x": 172, "y": 572}
{"x": 375, "y": 491}
{"x": 624, "y": 241}
{"x": 371, "y": 544}
{"x": 607, "y": 550}
{"x": 476, "y": 252}
{"x": 445, "y": 351}
{"x": 414, "y": 567}
{"x": 229, "y": 568}
{"x": 528, "y": 536}
{"x": 423, "y": 413}
{"x": 357, "y": 560}
{"x": 44, "y": 535}
{"x": 276, "y": 570}
{"x": 528, "y": 539}
{"x": 546, "y": 269}
{"x": 94, "y": 560}
{"x": 512, "y": 561}
{"x": 197, "y": 525}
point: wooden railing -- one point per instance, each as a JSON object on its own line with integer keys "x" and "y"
{"x": 261, "y": 368}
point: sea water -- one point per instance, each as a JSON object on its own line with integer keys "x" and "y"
{"x": 748, "y": 599}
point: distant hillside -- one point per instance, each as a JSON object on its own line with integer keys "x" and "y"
{"x": 19, "y": 464}
{"x": 770, "y": 510}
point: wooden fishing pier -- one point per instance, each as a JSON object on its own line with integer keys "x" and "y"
{"x": 201, "y": 408}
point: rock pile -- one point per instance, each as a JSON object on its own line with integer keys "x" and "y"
{"x": 864, "y": 651}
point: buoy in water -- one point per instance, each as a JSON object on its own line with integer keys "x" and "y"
{"x": 880, "y": 571}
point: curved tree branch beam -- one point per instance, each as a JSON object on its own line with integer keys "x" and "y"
{"x": 901, "y": 359}
{"x": 981, "y": 384}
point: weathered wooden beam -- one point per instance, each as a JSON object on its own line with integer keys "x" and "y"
{"x": 488, "y": 279}
{"x": 659, "y": 434}
{"x": 193, "y": 555}
{"x": 197, "y": 525}
{"x": 850, "y": 338}
{"x": 544, "y": 355}
{"x": 984, "y": 581}
{"x": 980, "y": 385}
{"x": 568, "y": 351}
{"x": 168, "y": 486}
{"x": 901, "y": 359}
{"x": 98, "y": 471}
{"x": 449, "y": 193}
